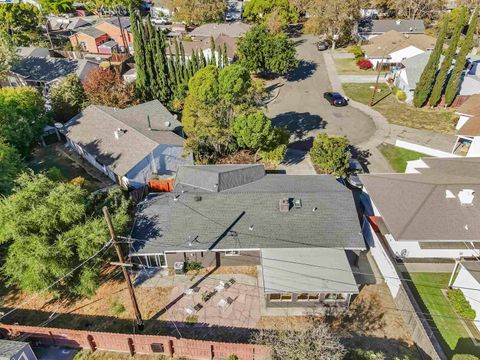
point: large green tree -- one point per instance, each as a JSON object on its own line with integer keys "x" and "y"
{"x": 260, "y": 10}
{"x": 102, "y": 6}
{"x": 22, "y": 22}
{"x": 51, "y": 228}
{"x": 67, "y": 98}
{"x": 330, "y": 154}
{"x": 427, "y": 79}
{"x": 8, "y": 53}
{"x": 260, "y": 51}
{"x": 196, "y": 12}
{"x": 56, "y": 7}
{"x": 441, "y": 78}
{"x": 457, "y": 71}
{"x": 22, "y": 117}
{"x": 10, "y": 166}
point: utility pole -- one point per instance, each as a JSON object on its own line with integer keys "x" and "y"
{"x": 124, "y": 266}
{"x": 378, "y": 78}
{"x": 125, "y": 44}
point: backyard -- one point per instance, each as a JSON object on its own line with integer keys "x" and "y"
{"x": 400, "y": 113}
{"x": 453, "y": 336}
{"x": 398, "y": 157}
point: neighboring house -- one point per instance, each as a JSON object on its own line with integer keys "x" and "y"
{"x": 466, "y": 277}
{"x": 302, "y": 231}
{"x": 408, "y": 73}
{"x": 204, "y": 46}
{"x": 394, "y": 47}
{"x": 231, "y": 29}
{"x": 89, "y": 39}
{"x": 24, "y": 52}
{"x": 43, "y": 72}
{"x": 118, "y": 31}
{"x": 468, "y": 128}
{"x": 129, "y": 145}
{"x": 370, "y": 28}
{"x": 431, "y": 212}
{"x": 159, "y": 9}
{"x": 16, "y": 350}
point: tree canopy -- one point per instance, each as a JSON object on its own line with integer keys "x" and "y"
{"x": 10, "y": 166}
{"x": 106, "y": 87}
{"x": 22, "y": 117}
{"x": 56, "y": 7}
{"x": 8, "y": 53}
{"x": 330, "y": 154}
{"x": 197, "y": 12}
{"x": 51, "y": 227}
{"x": 101, "y": 6}
{"x": 22, "y": 22}
{"x": 262, "y": 10}
{"x": 67, "y": 98}
{"x": 260, "y": 51}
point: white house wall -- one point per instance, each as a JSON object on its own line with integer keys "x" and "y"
{"x": 474, "y": 149}
{"x": 405, "y": 53}
{"x": 461, "y": 121}
{"x": 471, "y": 289}
{"x": 164, "y": 160}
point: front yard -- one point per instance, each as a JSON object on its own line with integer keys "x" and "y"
{"x": 398, "y": 157}
{"x": 348, "y": 66}
{"x": 453, "y": 336}
{"x": 400, "y": 113}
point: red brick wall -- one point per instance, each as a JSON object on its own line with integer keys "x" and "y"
{"x": 141, "y": 344}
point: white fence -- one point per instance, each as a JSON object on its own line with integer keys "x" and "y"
{"x": 423, "y": 149}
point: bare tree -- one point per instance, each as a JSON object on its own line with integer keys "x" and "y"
{"x": 315, "y": 340}
{"x": 418, "y": 9}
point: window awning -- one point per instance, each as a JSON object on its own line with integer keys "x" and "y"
{"x": 307, "y": 270}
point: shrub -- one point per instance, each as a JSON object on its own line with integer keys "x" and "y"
{"x": 464, "y": 357}
{"x": 191, "y": 319}
{"x": 360, "y": 354}
{"x": 401, "y": 95}
{"x": 357, "y": 51}
{"x": 274, "y": 156}
{"x": 233, "y": 357}
{"x": 192, "y": 266}
{"x": 117, "y": 307}
{"x": 460, "y": 304}
{"x": 364, "y": 64}
{"x": 330, "y": 154}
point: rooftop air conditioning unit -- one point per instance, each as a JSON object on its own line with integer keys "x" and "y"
{"x": 466, "y": 197}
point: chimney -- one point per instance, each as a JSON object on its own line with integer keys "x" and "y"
{"x": 284, "y": 205}
{"x": 466, "y": 197}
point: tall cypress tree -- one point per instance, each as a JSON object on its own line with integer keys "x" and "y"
{"x": 447, "y": 62}
{"x": 213, "y": 60}
{"x": 225, "y": 55}
{"x": 163, "y": 81}
{"x": 139, "y": 56}
{"x": 220, "y": 58}
{"x": 457, "y": 72}
{"x": 150, "y": 59}
{"x": 203, "y": 61}
{"x": 427, "y": 79}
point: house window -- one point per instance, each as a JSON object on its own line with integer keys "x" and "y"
{"x": 155, "y": 260}
{"x": 232, "y": 253}
{"x": 308, "y": 297}
{"x": 157, "y": 348}
{"x": 286, "y": 297}
{"x": 335, "y": 297}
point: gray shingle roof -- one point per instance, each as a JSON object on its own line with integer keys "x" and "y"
{"x": 415, "y": 207}
{"x": 415, "y": 65}
{"x": 307, "y": 271}
{"x": 91, "y": 31}
{"x": 46, "y": 69}
{"x": 33, "y": 51}
{"x": 223, "y": 220}
{"x": 400, "y": 25}
{"x": 94, "y": 130}
{"x": 9, "y": 348}
{"x": 234, "y": 29}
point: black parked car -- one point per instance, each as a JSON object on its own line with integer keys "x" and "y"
{"x": 322, "y": 45}
{"x": 335, "y": 99}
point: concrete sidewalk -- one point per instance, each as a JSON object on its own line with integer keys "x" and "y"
{"x": 359, "y": 78}
{"x": 297, "y": 162}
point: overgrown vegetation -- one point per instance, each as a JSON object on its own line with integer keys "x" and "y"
{"x": 117, "y": 307}
{"x": 192, "y": 266}
{"x": 460, "y": 304}
{"x": 330, "y": 154}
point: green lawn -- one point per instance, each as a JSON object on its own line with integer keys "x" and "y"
{"x": 396, "y": 112}
{"x": 450, "y": 331}
{"x": 398, "y": 157}
{"x": 349, "y": 67}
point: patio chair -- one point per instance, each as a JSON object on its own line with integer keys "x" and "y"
{"x": 232, "y": 281}
{"x": 189, "y": 291}
{"x": 230, "y": 300}
{"x": 198, "y": 307}
{"x": 222, "y": 303}
{"x": 189, "y": 311}
{"x": 220, "y": 286}
{"x": 196, "y": 289}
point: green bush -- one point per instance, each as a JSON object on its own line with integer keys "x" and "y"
{"x": 464, "y": 357}
{"x": 274, "y": 156}
{"x": 357, "y": 51}
{"x": 117, "y": 307}
{"x": 360, "y": 354}
{"x": 191, "y": 319}
{"x": 233, "y": 357}
{"x": 330, "y": 154}
{"x": 401, "y": 95}
{"x": 192, "y": 266}
{"x": 460, "y": 304}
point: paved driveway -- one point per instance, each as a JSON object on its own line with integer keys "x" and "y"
{"x": 300, "y": 105}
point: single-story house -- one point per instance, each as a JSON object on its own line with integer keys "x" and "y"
{"x": 394, "y": 47}
{"x": 468, "y": 128}
{"x": 301, "y": 230}
{"x": 129, "y": 145}
{"x": 232, "y": 29}
{"x": 369, "y": 28}
{"x": 466, "y": 277}
{"x": 431, "y": 212}
{"x": 16, "y": 350}
{"x": 43, "y": 72}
